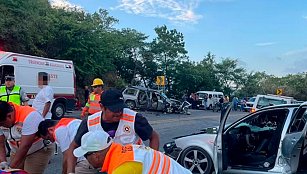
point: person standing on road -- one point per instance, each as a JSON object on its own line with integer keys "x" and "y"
{"x": 86, "y": 94}
{"x": 18, "y": 125}
{"x": 226, "y": 99}
{"x": 243, "y": 104}
{"x": 221, "y": 103}
{"x": 205, "y": 101}
{"x": 193, "y": 100}
{"x": 92, "y": 106}
{"x": 235, "y": 102}
{"x": 42, "y": 101}
{"x": 62, "y": 133}
{"x": 124, "y": 125}
{"x": 13, "y": 93}
{"x": 113, "y": 158}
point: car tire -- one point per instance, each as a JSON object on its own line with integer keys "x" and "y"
{"x": 130, "y": 104}
{"x": 197, "y": 160}
{"x": 58, "y": 111}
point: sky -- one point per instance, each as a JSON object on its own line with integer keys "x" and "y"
{"x": 263, "y": 35}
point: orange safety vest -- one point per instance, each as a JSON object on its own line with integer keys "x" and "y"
{"x": 153, "y": 162}
{"x": 116, "y": 156}
{"x": 63, "y": 122}
{"x": 92, "y": 105}
{"x": 14, "y": 136}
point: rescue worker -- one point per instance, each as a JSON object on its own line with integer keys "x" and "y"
{"x": 62, "y": 133}
{"x": 125, "y": 126}
{"x": 13, "y": 93}
{"x": 19, "y": 124}
{"x": 92, "y": 106}
{"x": 97, "y": 147}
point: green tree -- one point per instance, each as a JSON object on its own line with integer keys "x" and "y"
{"x": 131, "y": 44}
{"x": 149, "y": 70}
{"x": 210, "y": 79}
{"x": 253, "y": 84}
{"x": 86, "y": 39}
{"x": 230, "y": 75}
{"x": 169, "y": 50}
{"x": 23, "y": 25}
{"x": 295, "y": 86}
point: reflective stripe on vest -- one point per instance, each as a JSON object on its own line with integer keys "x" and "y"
{"x": 125, "y": 133}
{"x": 93, "y": 103}
{"x": 14, "y": 137}
{"x": 93, "y": 122}
{"x": 13, "y": 96}
{"x": 153, "y": 162}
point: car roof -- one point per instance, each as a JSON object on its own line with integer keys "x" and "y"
{"x": 141, "y": 88}
{"x": 276, "y": 96}
{"x": 280, "y": 107}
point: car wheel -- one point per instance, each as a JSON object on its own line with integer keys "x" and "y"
{"x": 58, "y": 111}
{"x": 130, "y": 104}
{"x": 197, "y": 160}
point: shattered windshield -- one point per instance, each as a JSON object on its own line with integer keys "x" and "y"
{"x": 264, "y": 102}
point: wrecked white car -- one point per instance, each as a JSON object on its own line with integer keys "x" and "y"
{"x": 270, "y": 140}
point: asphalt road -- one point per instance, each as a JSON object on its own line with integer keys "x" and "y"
{"x": 167, "y": 125}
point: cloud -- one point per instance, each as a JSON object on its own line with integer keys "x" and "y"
{"x": 265, "y": 44}
{"x": 293, "y": 54}
{"x": 64, "y": 4}
{"x": 278, "y": 58}
{"x": 296, "y": 53}
{"x": 173, "y": 10}
{"x": 298, "y": 66}
{"x": 296, "y": 60}
{"x": 305, "y": 17}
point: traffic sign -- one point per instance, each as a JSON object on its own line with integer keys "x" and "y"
{"x": 160, "y": 80}
{"x": 279, "y": 91}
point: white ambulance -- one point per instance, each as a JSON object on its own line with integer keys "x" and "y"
{"x": 25, "y": 68}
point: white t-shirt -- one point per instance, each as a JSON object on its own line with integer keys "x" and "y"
{"x": 66, "y": 134}
{"x": 45, "y": 95}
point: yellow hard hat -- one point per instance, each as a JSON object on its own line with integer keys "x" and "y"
{"x": 97, "y": 82}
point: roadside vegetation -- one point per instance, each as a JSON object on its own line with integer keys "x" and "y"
{"x": 127, "y": 56}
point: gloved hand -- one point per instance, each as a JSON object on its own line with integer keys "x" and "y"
{"x": 4, "y": 165}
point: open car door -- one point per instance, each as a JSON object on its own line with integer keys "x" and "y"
{"x": 294, "y": 141}
{"x": 218, "y": 144}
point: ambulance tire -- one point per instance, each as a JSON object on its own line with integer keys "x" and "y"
{"x": 58, "y": 111}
